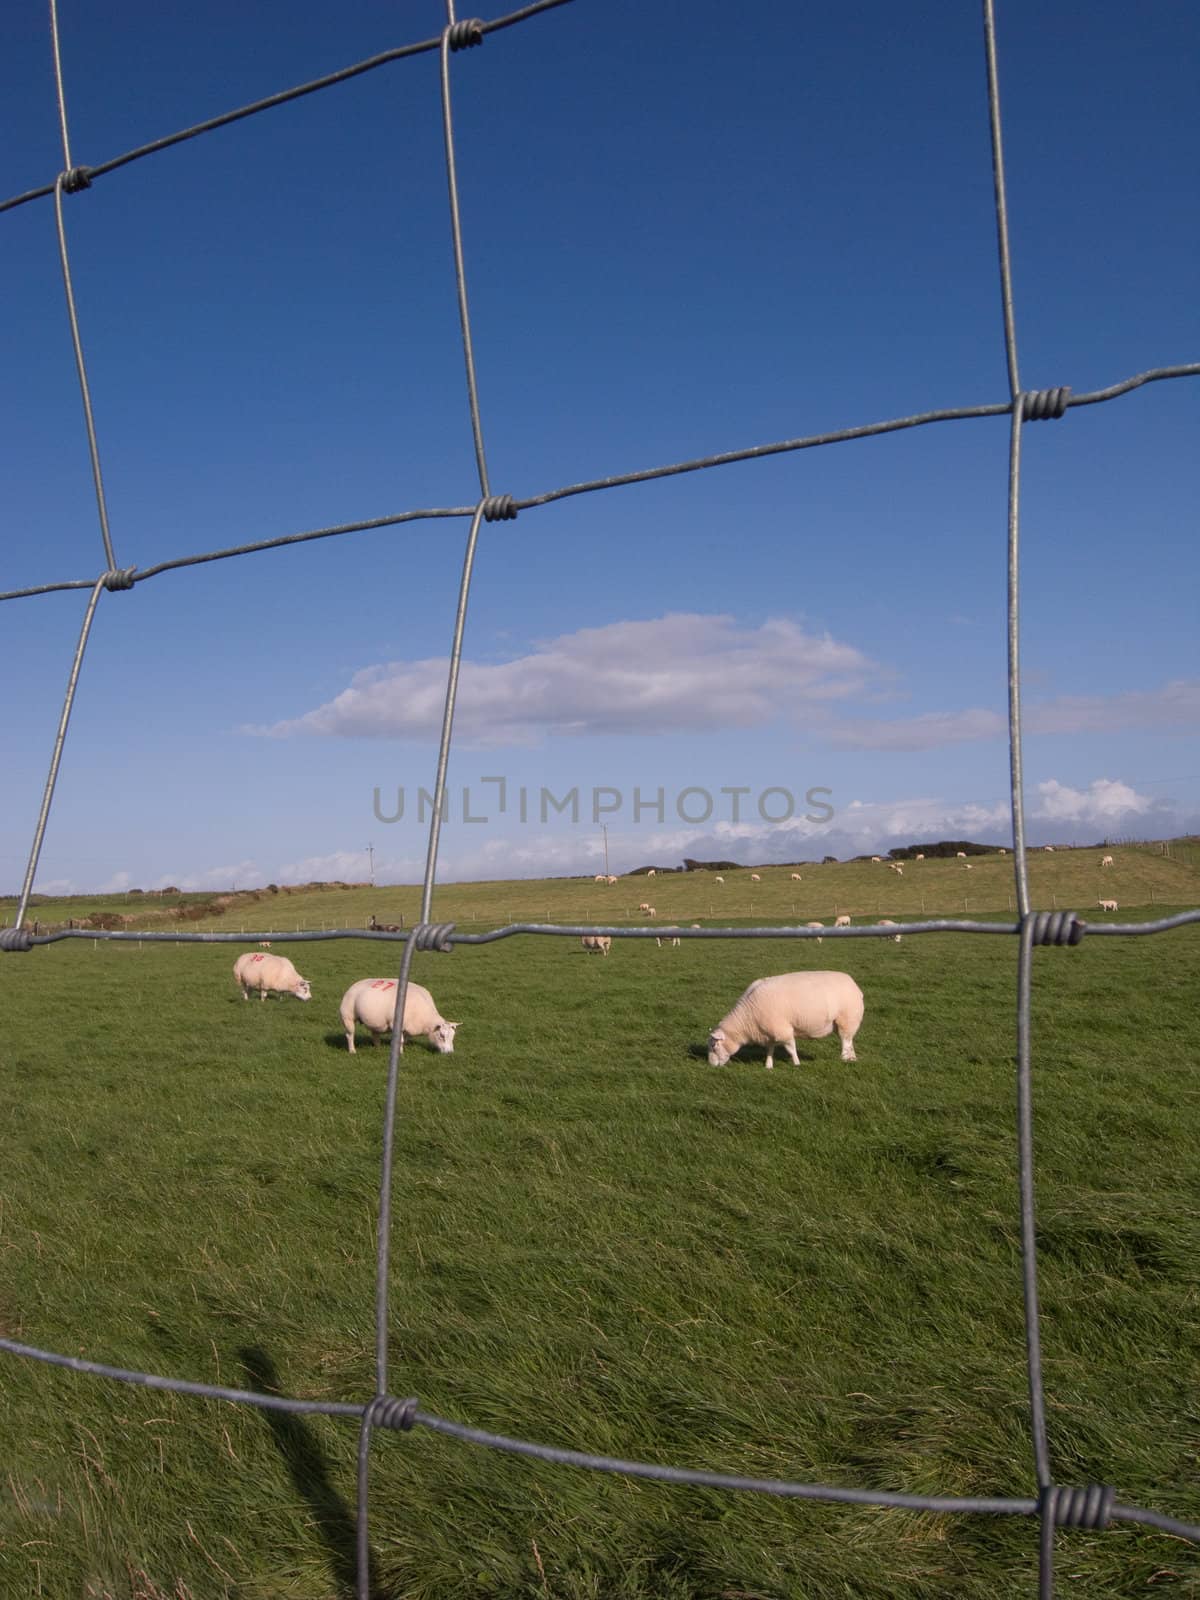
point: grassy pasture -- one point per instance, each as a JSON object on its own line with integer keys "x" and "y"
{"x": 1071, "y": 879}
{"x": 599, "y": 1242}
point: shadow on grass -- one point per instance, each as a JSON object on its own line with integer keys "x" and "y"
{"x": 303, "y": 1458}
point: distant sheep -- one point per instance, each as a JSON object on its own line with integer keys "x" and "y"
{"x": 1003, "y": 852}
{"x": 718, "y": 879}
{"x": 611, "y": 878}
{"x": 1049, "y": 849}
{"x": 384, "y": 927}
{"x": 815, "y": 925}
{"x": 896, "y": 868}
{"x": 645, "y": 906}
{"x": 599, "y": 878}
{"x": 651, "y": 912}
{"x": 1109, "y": 905}
{"x": 273, "y": 973}
{"x": 796, "y": 878}
{"x": 920, "y": 858}
{"x": 960, "y": 855}
{"x": 1106, "y": 861}
{"x": 886, "y": 922}
{"x": 842, "y": 922}
{"x": 668, "y": 938}
{"x": 754, "y": 878}
{"x": 596, "y": 944}
{"x": 372, "y": 1001}
{"x": 264, "y": 944}
{"x": 772, "y": 1011}
{"x": 651, "y": 873}
{"x": 876, "y": 858}
{"x": 968, "y": 867}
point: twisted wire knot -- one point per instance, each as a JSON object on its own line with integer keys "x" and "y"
{"x": 1088, "y": 1507}
{"x": 433, "y": 936}
{"x": 1039, "y": 405}
{"x": 119, "y": 578}
{"x": 1056, "y": 927}
{"x": 16, "y": 939}
{"x": 499, "y": 508}
{"x": 384, "y": 1412}
{"x": 463, "y": 35}
{"x": 77, "y": 178}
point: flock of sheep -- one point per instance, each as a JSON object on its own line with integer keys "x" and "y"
{"x": 772, "y": 1012}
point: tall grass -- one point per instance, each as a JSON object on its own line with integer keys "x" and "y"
{"x": 599, "y": 1242}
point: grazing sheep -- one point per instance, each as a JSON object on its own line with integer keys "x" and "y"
{"x": 886, "y": 922}
{"x": 596, "y": 944}
{"x": 718, "y": 879}
{"x": 599, "y": 878}
{"x": 796, "y": 878}
{"x": 1109, "y": 905}
{"x": 276, "y": 973}
{"x": 668, "y": 938}
{"x": 842, "y": 922}
{"x": 1106, "y": 861}
{"x": 920, "y": 858}
{"x": 772, "y": 1011}
{"x": 960, "y": 855}
{"x": 264, "y": 944}
{"x": 1049, "y": 849}
{"x": 897, "y": 868}
{"x": 645, "y": 906}
{"x": 651, "y": 873}
{"x": 651, "y": 912}
{"x": 372, "y": 1001}
{"x": 611, "y": 878}
{"x": 876, "y": 858}
{"x": 754, "y": 878}
{"x": 1003, "y": 852}
{"x": 815, "y": 925}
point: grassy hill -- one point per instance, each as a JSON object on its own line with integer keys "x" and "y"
{"x": 1142, "y": 878}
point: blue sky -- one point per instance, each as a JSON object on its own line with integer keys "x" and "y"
{"x": 687, "y": 230}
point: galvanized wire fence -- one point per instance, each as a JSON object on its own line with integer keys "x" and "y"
{"x": 1053, "y": 1504}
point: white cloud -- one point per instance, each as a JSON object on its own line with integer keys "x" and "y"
{"x": 117, "y": 884}
{"x": 339, "y": 866}
{"x": 1105, "y": 801}
{"x": 674, "y": 673}
{"x": 1175, "y": 705}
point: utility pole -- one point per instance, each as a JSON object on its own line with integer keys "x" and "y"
{"x": 371, "y": 859}
{"x": 607, "y": 874}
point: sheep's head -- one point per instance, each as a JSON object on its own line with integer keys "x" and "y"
{"x": 442, "y": 1037}
{"x": 718, "y": 1048}
{"x": 303, "y": 990}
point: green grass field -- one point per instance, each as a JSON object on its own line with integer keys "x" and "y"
{"x": 601, "y": 1242}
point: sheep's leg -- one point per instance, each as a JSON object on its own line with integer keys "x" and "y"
{"x": 770, "y": 1057}
{"x": 262, "y": 991}
{"x": 350, "y": 1041}
{"x": 847, "y": 1044}
{"x": 790, "y": 1047}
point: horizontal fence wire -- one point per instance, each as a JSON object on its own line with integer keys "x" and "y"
{"x": 1055, "y": 1505}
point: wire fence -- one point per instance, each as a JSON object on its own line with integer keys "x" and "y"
{"x": 1053, "y": 1504}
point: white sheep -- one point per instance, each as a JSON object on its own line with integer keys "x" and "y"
{"x": 842, "y": 922}
{"x": 1003, "y": 852}
{"x": 920, "y": 858}
{"x": 264, "y": 944}
{"x": 897, "y": 869}
{"x": 611, "y": 878}
{"x": 1049, "y": 849}
{"x": 668, "y": 938}
{"x": 815, "y": 925}
{"x": 651, "y": 873}
{"x": 1109, "y": 905}
{"x": 772, "y": 1011}
{"x": 596, "y": 944}
{"x": 599, "y": 878}
{"x": 968, "y": 867}
{"x": 876, "y": 858}
{"x": 645, "y": 906}
{"x": 372, "y": 1001}
{"x": 754, "y": 878}
{"x": 1106, "y": 861}
{"x": 274, "y": 973}
{"x": 796, "y": 878}
{"x": 718, "y": 879}
{"x": 960, "y": 855}
{"x": 886, "y": 922}
{"x": 651, "y": 912}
